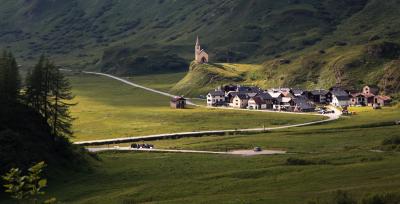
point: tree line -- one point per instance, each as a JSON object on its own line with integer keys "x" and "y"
{"x": 46, "y": 91}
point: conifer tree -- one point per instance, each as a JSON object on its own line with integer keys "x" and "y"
{"x": 34, "y": 85}
{"x": 48, "y": 92}
{"x": 60, "y": 116}
{"x": 9, "y": 78}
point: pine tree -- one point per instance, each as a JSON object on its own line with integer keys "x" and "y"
{"x": 9, "y": 79}
{"x": 34, "y": 85}
{"x": 48, "y": 92}
{"x": 61, "y": 93}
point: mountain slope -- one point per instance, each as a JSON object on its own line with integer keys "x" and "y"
{"x": 233, "y": 30}
{"x": 305, "y": 43}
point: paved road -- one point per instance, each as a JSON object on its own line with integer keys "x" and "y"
{"x": 331, "y": 117}
{"x": 238, "y": 152}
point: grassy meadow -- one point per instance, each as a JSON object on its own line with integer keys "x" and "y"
{"x": 108, "y": 109}
{"x": 339, "y": 156}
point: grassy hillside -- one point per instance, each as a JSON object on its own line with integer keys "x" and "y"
{"x": 108, "y": 109}
{"x": 338, "y": 156}
{"x": 302, "y": 43}
{"x": 97, "y": 32}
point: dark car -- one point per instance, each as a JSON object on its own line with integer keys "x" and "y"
{"x": 257, "y": 149}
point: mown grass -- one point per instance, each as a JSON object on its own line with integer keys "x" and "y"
{"x": 108, "y": 109}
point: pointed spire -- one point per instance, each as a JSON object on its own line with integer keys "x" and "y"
{"x": 197, "y": 42}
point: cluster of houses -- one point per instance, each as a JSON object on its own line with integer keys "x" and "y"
{"x": 292, "y": 99}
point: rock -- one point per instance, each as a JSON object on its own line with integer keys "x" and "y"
{"x": 384, "y": 50}
{"x": 284, "y": 61}
{"x": 374, "y": 38}
{"x": 340, "y": 43}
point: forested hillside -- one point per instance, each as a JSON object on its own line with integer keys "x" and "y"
{"x": 311, "y": 43}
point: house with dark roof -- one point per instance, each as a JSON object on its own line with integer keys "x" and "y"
{"x": 338, "y": 97}
{"x": 317, "y": 96}
{"x": 303, "y": 104}
{"x": 283, "y": 104}
{"x": 240, "y": 101}
{"x": 216, "y": 98}
{"x": 268, "y": 100}
{"x": 256, "y": 103}
{"x": 178, "y": 102}
{"x": 358, "y": 99}
{"x": 297, "y": 91}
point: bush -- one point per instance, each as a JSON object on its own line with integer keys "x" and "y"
{"x": 343, "y": 197}
{"x": 394, "y": 140}
{"x": 386, "y": 198}
{"x": 296, "y": 161}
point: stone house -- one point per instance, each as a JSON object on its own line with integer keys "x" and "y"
{"x": 358, "y": 99}
{"x": 303, "y": 104}
{"x": 178, "y": 102}
{"x": 382, "y": 100}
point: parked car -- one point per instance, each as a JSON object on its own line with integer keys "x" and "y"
{"x": 142, "y": 146}
{"x": 257, "y": 149}
{"x": 326, "y": 111}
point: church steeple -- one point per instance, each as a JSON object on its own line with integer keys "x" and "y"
{"x": 197, "y": 43}
{"x": 200, "y": 55}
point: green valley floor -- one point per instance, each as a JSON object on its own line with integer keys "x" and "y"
{"x": 108, "y": 109}
{"x": 335, "y": 156}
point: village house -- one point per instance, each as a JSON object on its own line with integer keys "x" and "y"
{"x": 369, "y": 97}
{"x": 383, "y": 100}
{"x": 318, "y": 96}
{"x": 338, "y": 97}
{"x": 240, "y": 101}
{"x": 283, "y": 104}
{"x": 178, "y": 102}
{"x": 268, "y": 100}
{"x": 303, "y": 104}
{"x": 297, "y": 92}
{"x": 256, "y": 103}
{"x": 216, "y": 98}
{"x": 358, "y": 99}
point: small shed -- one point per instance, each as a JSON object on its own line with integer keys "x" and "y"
{"x": 178, "y": 102}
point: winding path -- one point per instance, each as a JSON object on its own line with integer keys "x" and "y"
{"x": 331, "y": 117}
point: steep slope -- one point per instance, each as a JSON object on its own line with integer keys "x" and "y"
{"x": 304, "y": 43}
{"x": 364, "y": 49}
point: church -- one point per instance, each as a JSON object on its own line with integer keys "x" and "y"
{"x": 201, "y": 55}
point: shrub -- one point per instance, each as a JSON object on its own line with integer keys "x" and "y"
{"x": 343, "y": 197}
{"x": 386, "y": 198}
{"x": 394, "y": 140}
{"x": 297, "y": 161}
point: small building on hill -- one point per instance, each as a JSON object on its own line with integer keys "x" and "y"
{"x": 200, "y": 55}
{"x": 178, "y": 102}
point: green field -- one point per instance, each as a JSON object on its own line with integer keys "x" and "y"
{"x": 108, "y": 109}
{"x": 162, "y": 82}
{"x": 340, "y": 151}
